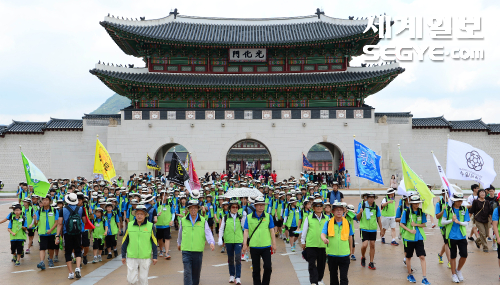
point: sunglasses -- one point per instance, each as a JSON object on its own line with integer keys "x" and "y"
{"x": 235, "y": 207}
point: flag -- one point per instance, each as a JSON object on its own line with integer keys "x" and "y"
{"x": 35, "y": 177}
{"x": 88, "y": 223}
{"x": 444, "y": 180}
{"x": 466, "y": 162}
{"x": 151, "y": 164}
{"x": 306, "y": 164}
{"x": 367, "y": 163}
{"x": 194, "y": 182}
{"x": 342, "y": 163}
{"x": 186, "y": 162}
{"x": 413, "y": 181}
{"x": 177, "y": 173}
{"x": 103, "y": 163}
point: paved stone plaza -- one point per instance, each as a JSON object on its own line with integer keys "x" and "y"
{"x": 288, "y": 268}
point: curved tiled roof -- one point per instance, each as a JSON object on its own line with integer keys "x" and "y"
{"x": 64, "y": 124}
{"x": 395, "y": 114}
{"x": 468, "y": 125}
{"x": 257, "y": 80}
{"x": 494, "y": 128}
{"x": 26, "y": 127}
{"x": 101, "y": 116}
{"x": 232, "y": 31}
{"x": 435, "y": 122}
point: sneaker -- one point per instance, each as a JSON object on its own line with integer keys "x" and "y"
{"x": 78, "y": 275}
{"x": 470, "y": 238}
{"x": 71, "y": 276}
{"x": 485, "y": 250}
{"x": 121, "y": 233}
{"x": 41, "y": 265}
{"x": 95, "y": 260}
{"x": 353, "y": 258}
{"x": 74, "y": 260}
{"x": 321, "y": 283}
{"x": 449, "y": 265}
{"x": 51, "y": 263}
{"x": 394, "y": 243}
{"x": 411, "y": 279}
{"x": 238, "y": 281}
{"x": 223, "y": 250}
{"x": 383, "y": 240}
{"x": 100, "y": 258}
{"x": 477, "y": 243}
{"x": 494, "y": 246}
{"x": 363, "y": 261}
{"x": 287, "y": 240}
{"x": 22, "y": 255}
{"x": 161, "y": 254}
{"x": 14, "y": 259}
{"x": 433, "y": 225}
{"x": 242, "y": 256}
{"x": 460, "y": 276}
{"x": 28, "y": 251}
{"x": 371, "y": 266}
{"x": 426, "y": 282}
{"x": 454, "y": 278}
{"x": 167, "y": 256}
{"x": 56, "y": 259}
{"x": 231, "y": 279}
{"x": 489, "y": 239}
{"x": 293, "y": 248}
{"x": 440, "y": 259}
{"x": 85, "y": 261}
{"x": 17, "y": 263}
{"x": 115, "y": 252}
{"x": 110, "y": 255}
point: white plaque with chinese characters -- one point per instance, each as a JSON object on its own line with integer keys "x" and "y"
{"x": 247, "y": 55}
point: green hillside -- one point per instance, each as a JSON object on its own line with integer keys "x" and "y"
{"x": 113, "y": 105}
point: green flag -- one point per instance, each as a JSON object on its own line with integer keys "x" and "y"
{"x": 412, "y": 180}
{"x": 35, "y": 177}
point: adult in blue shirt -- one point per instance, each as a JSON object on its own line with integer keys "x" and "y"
{"x": 455, "y": 219}
{"x": 413, "y": 221}
{"x": 335, "y": 194}
{"x": 293, "y": 218}
{"x": 72, "y": 242}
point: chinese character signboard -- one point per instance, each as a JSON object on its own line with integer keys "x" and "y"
{"x": 247, "y": 55}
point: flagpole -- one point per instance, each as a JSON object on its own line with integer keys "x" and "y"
{"x": 357, "y": 174}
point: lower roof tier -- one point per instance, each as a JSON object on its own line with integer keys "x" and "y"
{"x": 140, "y": 84}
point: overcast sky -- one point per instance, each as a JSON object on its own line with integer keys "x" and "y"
{"x": 48, "y": 47}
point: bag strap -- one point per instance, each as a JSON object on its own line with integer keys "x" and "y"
{"x": 256, "y": 228}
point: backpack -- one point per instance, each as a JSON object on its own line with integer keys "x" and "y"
{"x": 74, "y": 222}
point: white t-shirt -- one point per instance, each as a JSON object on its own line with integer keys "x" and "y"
{"x": 471, "y": 199}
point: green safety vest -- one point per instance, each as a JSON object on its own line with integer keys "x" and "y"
{"x": 166, "y": 216}
{"x": 313, "y": 238}
{"x": 262, "y": 236}
{"x": 232, "y": 233}
{"x": 291, "y": 213}
{"x": 279, "y": 209}
{"x": 112, "y": 222}
{"x": 17, "y": 227}
{"x": 99, "y": 232}
{"x": 390, "y": 209}
{"x": 417, "y": 218}
{"x": 336, "y": 245}
{"x": 131, "y": 217}
{"x": 193, "y": 236}
{"x": 370, "y": 224}
{"x": 139, "y": 240}
{"x": 29, "y": 216}
{"x": 304, "y": 214}
{"x": 443, "y": 205}
{"x": 461, "y": 217}
{"x": 42, "y": 222}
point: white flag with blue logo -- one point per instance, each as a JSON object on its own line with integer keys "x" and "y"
{"x": 367, "y": 163}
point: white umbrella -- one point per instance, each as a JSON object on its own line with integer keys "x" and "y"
{"x": 242, "y": 192}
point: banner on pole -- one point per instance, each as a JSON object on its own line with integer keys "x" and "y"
{"x": 102, "y": 162}
{"x": 35, "y": 177}
{"x": 177, "y": 173}
{"x": 367, "y": 163}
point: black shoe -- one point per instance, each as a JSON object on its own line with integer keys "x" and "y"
{"x": 110, "y": 256}
{"x": 85, "y": 260}
{"x": 470, "y": 238}
{"x": 363, "y": 261}
{"x": 78, "y": 275}
{"x": 477, "y": 243}
{"x": 115, "y": 252}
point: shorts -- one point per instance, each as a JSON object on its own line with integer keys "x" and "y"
{"x": 278, "y": 223}
{"x": 17, "y": 246}
{"x": 110, "y": 241}
{"x": 31, "y": 232}
{"x": 85, "y": 239}
{"x": 417, "y": 246}
{"x": 461, "y": 244}
{"x": 445, "y": 240}
{"x": 163, "y": 233}
{"x": 353, "y": 242}
{"x": 72, "y": 243}
{"x": 388, "y": 222}
{"x": 210, "y": 222}
{"x": 98, "y": 244}
{"x": 368, "y": 235}
{"x": 498, "y": 252}
{"x": 48, "y": 242}
{"x": 291, "y": 232}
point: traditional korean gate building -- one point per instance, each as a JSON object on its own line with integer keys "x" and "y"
{"x": 210, "y": 83}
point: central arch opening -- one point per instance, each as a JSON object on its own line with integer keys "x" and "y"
{"x": 325, "y": 158}
{"x": 248, "y": 156}
{"x": 164, "y": 154}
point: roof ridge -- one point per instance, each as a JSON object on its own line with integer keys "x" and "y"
{"x": 23, "y": 122}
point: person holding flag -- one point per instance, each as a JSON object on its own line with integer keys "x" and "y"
{"x": 441, "y": 207}
{"x": 369, "y": 217}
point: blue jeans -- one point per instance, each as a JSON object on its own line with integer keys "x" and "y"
{"x": 234, "y": 256}
{"x": 192, "y": 267}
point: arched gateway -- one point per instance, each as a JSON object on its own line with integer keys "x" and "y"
{"x": 247, "y": 155}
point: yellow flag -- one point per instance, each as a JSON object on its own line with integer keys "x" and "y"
{"x": 102, "y": 162}
{"x": 413, "y": 181}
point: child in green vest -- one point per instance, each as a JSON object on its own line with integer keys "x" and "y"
{"x": 455, "y": 219}
{"x": 29, "y": 211}
{"x": 388, "y": 218}
{"x": 166, "y": 216}
{"x": 413, "y": 222}
{"x": 17, "y": 229}
{"x": 369, "y": 219}
{"x": 231, "y": 230}
{"x": 112, "y": 222}
{"x": 98, "y": 234}
{"x": 293, "y": 217}
{"x": 441, "y": 207}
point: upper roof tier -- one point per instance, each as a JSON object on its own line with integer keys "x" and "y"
{"x": 204, "y": 31}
